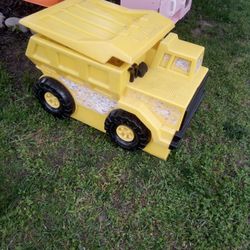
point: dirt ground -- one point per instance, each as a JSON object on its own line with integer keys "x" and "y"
{"x": 17, "y": 8}
{"x": 15, "y": 63}
{"x": 13, "y": 43}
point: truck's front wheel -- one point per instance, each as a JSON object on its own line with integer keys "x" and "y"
{"x": 54, "y": 97}
{"x": 126, "y": 130}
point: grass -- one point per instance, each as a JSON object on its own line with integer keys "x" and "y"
{"x": 63, "y": 185}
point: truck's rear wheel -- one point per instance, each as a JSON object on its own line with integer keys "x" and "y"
{"x": 126, "y": 130}
{"x": 54, "y": 97}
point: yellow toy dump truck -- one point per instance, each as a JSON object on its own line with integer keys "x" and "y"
{"x": 117, "y": 70}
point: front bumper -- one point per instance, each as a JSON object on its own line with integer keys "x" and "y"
{"x": 192, "y": 108}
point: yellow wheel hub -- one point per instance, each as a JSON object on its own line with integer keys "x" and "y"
{"x": 52, "y": 100}
{"x": 125, "y": 133}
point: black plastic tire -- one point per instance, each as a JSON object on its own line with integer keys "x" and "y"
{"x": 142, "y": 135}
{"x": 67, "y": 104}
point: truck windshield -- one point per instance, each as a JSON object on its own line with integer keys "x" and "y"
{"x": 181, "y": 65}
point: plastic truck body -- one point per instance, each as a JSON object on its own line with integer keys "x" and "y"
{"x": 120, "y": 71}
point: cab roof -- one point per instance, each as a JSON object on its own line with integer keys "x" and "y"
{"x": 100, "y": 29}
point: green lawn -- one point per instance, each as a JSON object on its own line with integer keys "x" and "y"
{"x": 64, "y": 185}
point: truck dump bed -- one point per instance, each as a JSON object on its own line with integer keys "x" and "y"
{"x": 99, "y": 29}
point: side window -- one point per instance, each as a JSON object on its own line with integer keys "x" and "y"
{"x": 181, "y": 65}
{"x": 165, "y": 60}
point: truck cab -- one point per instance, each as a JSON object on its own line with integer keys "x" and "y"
{"x": 118, "y": 70}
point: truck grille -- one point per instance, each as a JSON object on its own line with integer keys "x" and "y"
{"x": 192, "y": 108}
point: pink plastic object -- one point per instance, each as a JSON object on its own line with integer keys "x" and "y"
{"x": 173, "y": 9}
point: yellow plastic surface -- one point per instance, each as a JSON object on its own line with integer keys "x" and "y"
{"x": 125, "y": 133}
{"x": 159, "y": 99}
{"x": 52, "y": 100}
{"x": 99, "y": 29}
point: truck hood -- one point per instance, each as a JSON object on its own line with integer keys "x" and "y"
{"x": 164, "y": 95}
{"x": 169, "y": 87}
